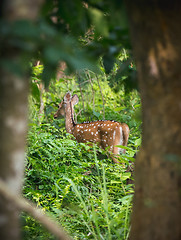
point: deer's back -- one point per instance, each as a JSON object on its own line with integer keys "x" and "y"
{"x": 102, "y": 132}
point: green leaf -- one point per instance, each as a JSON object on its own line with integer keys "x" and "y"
{"x": 99, "y": 21}
{"x": 52, "y": 54}
{"x": 138, "y": 142}
{"x": 12, "y": 66}
{"x": 115, "y": 182}
{"x": 97, "y": 114}
{"x": 125, "y": 176}
{"x": 48, "y": 74}
{"x": 35, "y": 91}
{"x": 123, "y": 147}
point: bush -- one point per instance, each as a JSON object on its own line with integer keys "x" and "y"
{"x": 76, "y": 184}
{"x": 82, "y": 189}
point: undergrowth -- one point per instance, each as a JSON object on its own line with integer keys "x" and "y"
{"x": 76, "y": 184}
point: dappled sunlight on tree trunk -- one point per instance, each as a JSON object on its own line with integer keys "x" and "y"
{"x": 13, "y": 99}
{"x": 156, "y": 37}
{"x": 13, "y": 119}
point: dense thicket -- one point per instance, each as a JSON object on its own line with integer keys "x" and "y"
{"x": 79, "y": 185}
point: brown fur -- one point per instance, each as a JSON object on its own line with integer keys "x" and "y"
{"x": 104, "y": 133}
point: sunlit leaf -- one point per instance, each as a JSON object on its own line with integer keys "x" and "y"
{"x": 35, "y": 91}
{"x": 99, "y": 21}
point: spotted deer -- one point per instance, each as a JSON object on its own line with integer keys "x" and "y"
{"x": 105, "y": 133}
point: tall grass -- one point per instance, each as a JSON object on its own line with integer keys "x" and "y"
{"x": 82, "y": 189}
{"x": 76, "y": 184}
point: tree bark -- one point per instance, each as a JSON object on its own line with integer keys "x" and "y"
{"x": 156, "y": 40}
{"x": 13, "y": 116}
{"x": 13, "y": 113}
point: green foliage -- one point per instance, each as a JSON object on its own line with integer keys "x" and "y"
{"x": 75, "y": 32}
{"x": 32, "y": 42}
{"x": 88, "y": 195}
{"x": 75, "y": 183}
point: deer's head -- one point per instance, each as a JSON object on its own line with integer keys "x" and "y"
{"x": 67, "y": 104}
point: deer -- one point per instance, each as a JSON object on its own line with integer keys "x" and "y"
{"x": 105, "y": 133}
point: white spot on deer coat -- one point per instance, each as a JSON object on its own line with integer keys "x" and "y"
{"x": 114, "y": 134}
{"x": 121, "y": 136}
{"x": 121, "y": 150}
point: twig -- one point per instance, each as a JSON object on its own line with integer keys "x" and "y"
{"x": 77, "y": 114}
{"x": 24, "y": 205}
{"x": 103, "y": 102}
{"x": 80, "y": 88}
{"x": 93, "y": 93}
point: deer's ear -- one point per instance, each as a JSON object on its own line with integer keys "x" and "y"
{"x": 67, "y": 97}
{"x": 75, "y": 99}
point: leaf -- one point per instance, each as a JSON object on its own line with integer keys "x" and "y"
{"x": 48, "y": 74}
{"x": 115, "y": 182}
{"x": 124, "y": 147}
{"x": 127, "y": 199}
{"x": 99, "y": 21}
{"x": 108, "y": 62}
{"x": 52, "y": 54}
{"x": 125, "y": 176}
{"x": 35, "y": 91}
{"x": 97, "y": 114}
{"x": 138, "y": 142}
{"x": 137, "y": 106}
{"x": 12, "y": 66}
{"x": 25, "y": 29}
{"x": 118, "y": 109}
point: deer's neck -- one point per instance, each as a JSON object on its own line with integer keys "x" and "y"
{"x": 69, "y": 120}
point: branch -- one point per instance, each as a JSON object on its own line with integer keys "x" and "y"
{"x": 103, "y": 102}
{"x": 24, "y": 205}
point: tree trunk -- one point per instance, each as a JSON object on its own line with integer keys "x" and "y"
{"x": 13, "y": 108}
{"x": 13, "y": 116}
{"x": 156, "y": 38}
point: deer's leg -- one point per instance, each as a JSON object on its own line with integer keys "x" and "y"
{"x": 115, "y": 151}
{"x": 118, "y": 137}
{"x": 125, "y": 134}
{"x": 117, "y": 133}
